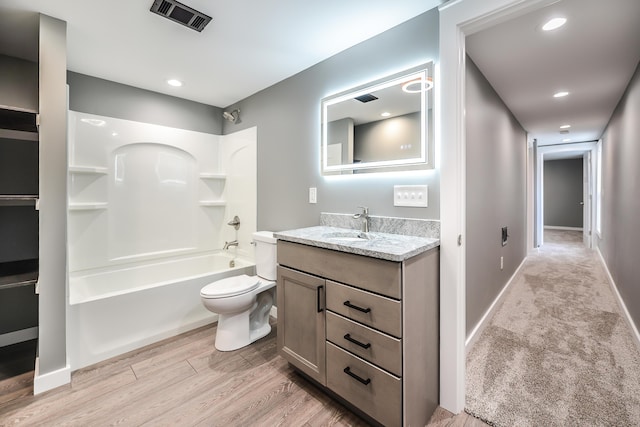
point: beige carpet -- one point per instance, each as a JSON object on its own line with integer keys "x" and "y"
{"x": 558, "y": 351}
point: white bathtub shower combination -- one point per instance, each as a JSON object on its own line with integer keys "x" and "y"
{"x": 148, "y": 207}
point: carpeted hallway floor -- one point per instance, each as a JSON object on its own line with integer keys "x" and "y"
{"x": 557, "y": 352}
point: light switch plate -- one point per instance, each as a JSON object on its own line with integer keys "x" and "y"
{"x": 411, "y": 195}
{"x": 313, "y": 195}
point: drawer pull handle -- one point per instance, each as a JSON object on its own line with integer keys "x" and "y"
{"x": 364, "y": 310}
{"x": 356, "y": 342}
{"x": 347, "y": 371}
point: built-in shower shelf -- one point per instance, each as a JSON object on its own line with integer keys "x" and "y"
{"x": 91, "y": 206}
{"x": 97, "y": 170}
{"x": 217, "y": 176}
{"x": 212, "y": 203}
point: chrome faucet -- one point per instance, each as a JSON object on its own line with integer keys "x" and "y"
{"x": 365, "y": 218}
{"x": 227, "y": 244}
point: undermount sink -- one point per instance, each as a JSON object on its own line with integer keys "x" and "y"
{"x": 347, "y": 236}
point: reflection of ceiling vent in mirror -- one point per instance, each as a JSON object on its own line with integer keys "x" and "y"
{"x": 366, "y": 97}
{"x": 180, "y": 13}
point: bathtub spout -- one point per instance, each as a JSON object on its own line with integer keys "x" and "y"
{"x": 227, "y": 244}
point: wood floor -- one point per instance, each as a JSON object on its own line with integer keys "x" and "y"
{"x": 184, "y": 381}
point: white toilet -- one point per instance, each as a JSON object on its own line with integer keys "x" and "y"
{"x": 243, "y": 302}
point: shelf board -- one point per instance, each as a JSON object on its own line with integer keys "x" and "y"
{"x": 98, "y": 170}
{"x": 212, "y": 203}
{"x": 18, "y": 280}
{"x": 18, "y": 199}
{"x": 90, "y": 206}
{"x": 218, "y": 176}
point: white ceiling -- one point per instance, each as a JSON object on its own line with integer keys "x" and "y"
{"x": 247, "y": 47}
{"x": 593, "y": 56}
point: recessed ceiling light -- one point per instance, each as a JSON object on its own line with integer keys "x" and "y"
{"x": 385, "y": 114}
{"x": 565, "y": 126}
{"x": 553, "y": 24}
{"x": 566, "y": 140}
{"x": 560, "y": 94}
{"x": 174, "y": 82}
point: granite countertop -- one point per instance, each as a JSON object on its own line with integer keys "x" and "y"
{"x": 391, "y": 247}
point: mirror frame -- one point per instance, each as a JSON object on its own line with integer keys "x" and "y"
{"x": 424, "y": 161}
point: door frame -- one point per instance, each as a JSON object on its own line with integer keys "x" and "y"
{"x": 458, "y": 19}
{"x": 587, "y": 149}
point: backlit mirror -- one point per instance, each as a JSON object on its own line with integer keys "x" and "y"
{"x": 382, "y": 124}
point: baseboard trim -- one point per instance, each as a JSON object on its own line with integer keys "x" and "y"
{"x": 621, "y": 304}
{"x": 15, "y": 337}
{"x": 50, "y": 380}
{"x": 560, "y": 227}
{"x": 488, "y": 315}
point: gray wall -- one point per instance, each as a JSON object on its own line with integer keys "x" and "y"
{"x": 563, "y": 192}
{"x": 620, "y": 239}
{"x": 496, "y": 194}
{"x": 106, "y": 98}
{"x": 18, "y": 83}
{"x": 288, "y": 119}
{"x": 372, "y": 143}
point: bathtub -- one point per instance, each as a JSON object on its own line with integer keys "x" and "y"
{"x": 113, "y": 311}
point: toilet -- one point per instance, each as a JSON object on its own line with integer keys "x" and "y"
{"x": 243, "y": 302}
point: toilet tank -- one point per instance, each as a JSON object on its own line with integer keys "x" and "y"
{"x": 266, "y": 259}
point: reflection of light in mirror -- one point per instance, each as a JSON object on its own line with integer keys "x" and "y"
{"x": 94, "y": 122}
{"x": 385, "y": 114}
{"x": 409, "y": 86}
{"x": 114, "y": 133}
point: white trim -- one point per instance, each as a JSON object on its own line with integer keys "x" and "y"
{"x": 561, "y": 227}
{"x": 273, "y": 312}
{"x": 623, "y": 306}
{"x": 15, "y": 337}
{"x": 488, "y": 315}
{"x": 458, "y": 18}
{"x": 542, "y": 151}
{"x": 50, "y": 380}
{"x": 530, "y": 191}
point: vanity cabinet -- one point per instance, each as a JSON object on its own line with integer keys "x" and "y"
{"x": 301, "y": 324}
{"x": 373, "y": 323}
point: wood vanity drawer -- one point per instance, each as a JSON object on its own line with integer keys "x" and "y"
{"x": 373, "y": 346}
{"x": 373, "y": 310}
{"x": 377, "y": 275}
{"x": 374, "y": 391}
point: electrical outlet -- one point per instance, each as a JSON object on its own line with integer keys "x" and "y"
{"x": 410, "y": 195}
{"x": 313, "y": 195}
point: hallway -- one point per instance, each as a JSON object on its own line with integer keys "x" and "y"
{"x": 557, "y": 351}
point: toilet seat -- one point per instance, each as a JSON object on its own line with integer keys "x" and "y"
{"x": 231, "y": 286}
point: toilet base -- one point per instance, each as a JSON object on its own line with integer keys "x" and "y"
{"x": 241, "y": 329}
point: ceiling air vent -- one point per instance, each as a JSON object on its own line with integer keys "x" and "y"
{"x": 180, "y": 13}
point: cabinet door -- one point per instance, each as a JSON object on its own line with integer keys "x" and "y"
{"x": 301, "y": 322}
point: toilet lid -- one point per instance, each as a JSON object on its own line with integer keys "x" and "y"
{"x": 230, "y": 286}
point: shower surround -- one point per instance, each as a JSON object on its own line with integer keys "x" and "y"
{"x": 147, "y": 212}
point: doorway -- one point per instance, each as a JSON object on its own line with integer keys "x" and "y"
{"x": 570, "y": 210}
